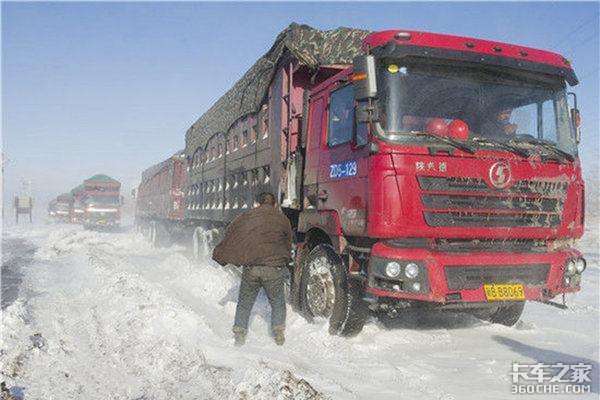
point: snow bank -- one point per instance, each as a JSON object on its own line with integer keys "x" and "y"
{"x": 119, "y": 329}
{"x": 122, "y": 320}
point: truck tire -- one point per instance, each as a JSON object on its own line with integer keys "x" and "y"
{"x": 327, "y": 292}
{"x": 507, "y": 315}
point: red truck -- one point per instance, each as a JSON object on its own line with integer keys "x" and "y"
{"x": 160, "y": 202}
{"x": 420, "y": 171}
{"x": 101, "y": 202}
{"x": 61, "y": 207}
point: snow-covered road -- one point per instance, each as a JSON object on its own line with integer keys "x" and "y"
{"x": 105, "y": 316}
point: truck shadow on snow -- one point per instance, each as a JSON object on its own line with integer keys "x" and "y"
{"x": 546, "y": 356}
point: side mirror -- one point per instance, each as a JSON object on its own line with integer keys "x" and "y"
{"x": 364, "y": 77}
{"x": 576, "y": 118}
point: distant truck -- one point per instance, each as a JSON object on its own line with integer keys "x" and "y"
{"x": 101, "y": 201}
{"x": 419, "y": 171}
{"x": 160, "y": 200}
{"x": 62, "y": 207}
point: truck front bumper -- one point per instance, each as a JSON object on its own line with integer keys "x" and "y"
{"x": 459, "y": 277}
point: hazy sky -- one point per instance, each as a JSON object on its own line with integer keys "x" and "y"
{"x": 112, "y": 87}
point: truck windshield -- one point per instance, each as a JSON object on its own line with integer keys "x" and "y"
{"x": 496, "y": 106}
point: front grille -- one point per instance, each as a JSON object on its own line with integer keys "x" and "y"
{"x": 474, "y": 276}
{"x": 491, "y": 219}
{"x": 470, "y": 202}
{"x": 440, "y": 183}
{"x": 432, "y": 183}
{"x": 500, "y": 203}
{"x": 491, "y": 245}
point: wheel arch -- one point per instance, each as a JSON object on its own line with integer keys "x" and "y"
{"x": 322, "y": 225}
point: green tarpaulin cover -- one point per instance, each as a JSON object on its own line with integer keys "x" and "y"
{"x": 311, "y": 47}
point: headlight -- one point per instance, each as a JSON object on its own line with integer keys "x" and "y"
{"x": 571, "y": 267}
{"x": 580, "y": 265}
{"x": 416, "y": 286}
{"x": 411, "y": 270}
{"x": 392, "y": 269}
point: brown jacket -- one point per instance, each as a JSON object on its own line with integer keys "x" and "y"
{"x": 261, "y": 236}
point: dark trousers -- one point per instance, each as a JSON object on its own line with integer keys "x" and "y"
{"x": 254, "y": 278}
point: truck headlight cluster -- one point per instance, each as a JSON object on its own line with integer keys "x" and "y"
{"x": 398, "y": 275}
{"x": 573, "y": 270}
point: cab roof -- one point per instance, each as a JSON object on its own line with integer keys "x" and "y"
{"x": 519, "y": 55}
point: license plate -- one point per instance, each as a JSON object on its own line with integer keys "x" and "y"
{"x": 504, "y": 292}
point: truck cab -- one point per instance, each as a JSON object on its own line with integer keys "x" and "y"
{"x": 102, "y": 210}
{"x": 101, "y": 202}
{"x": 62, "y": 207}
{"x": 440, "y": 171}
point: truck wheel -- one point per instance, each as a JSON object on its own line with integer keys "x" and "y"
{"x": 507, "y": 315}
{"x": 326, "y": 292}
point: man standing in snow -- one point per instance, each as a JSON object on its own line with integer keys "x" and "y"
{"x": 260, "y": 240}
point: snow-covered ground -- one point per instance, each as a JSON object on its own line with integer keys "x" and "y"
{"x": 105, "y": 316}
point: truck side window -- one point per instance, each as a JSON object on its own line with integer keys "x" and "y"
{"x": 549, "y": 121}
{"x": 341, "y": 116}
